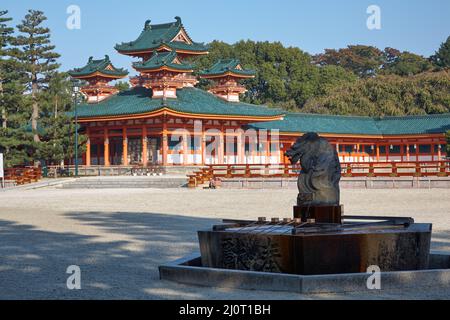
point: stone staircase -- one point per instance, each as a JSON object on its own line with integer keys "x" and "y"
{"x": 166, "y": 181}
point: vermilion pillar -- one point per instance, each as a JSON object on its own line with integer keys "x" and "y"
{"x": 124, "y": 147}
{"x": 185, "y": 148}
{"x": 88, "y": 152}
{"x": 144, "y": 146}
{"x": 221, "y": 152}
{"x": 106, "y": 148}
{"x": 164, "y": 142}
{"x": 240, "y": 149}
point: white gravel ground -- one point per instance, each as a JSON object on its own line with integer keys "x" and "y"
{"x": 118, "y": 237}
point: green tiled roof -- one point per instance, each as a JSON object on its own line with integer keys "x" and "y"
{"x": 302, "y": 122}
{"x": 190, "y": 100}
{"x": 431, "y": 123}
{"x": 155, "y": 35}
{"x": 162, "y": 59}
{"x": 226, "y": 65}
{"x": 98, "y": 66}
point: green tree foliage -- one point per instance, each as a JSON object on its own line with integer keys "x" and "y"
{"x": 15, "y": 142}
{"x": 404, "y": 63}
{"x": 122, "y": 85}
{"x": 368, "y": 61}
{"x": 387, "y": 95}
{"x": 284, "y": 76}
{"x": 33, "y": 89}
{"x": 442, "y": 57}
{"x": 57, "y": 133}
{"x": 364, "y": 61}
{"x": 37, "y": 60}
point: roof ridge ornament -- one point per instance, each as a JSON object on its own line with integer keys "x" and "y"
{"x": 178, "y": 19}
{"x": 147, "y": 25}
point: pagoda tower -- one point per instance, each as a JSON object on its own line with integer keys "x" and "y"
{"x": 98, "y": 73}
{"x": 164, "y": 73}
{"x": 226, "y": 74}
{"x": 162, "y": 49}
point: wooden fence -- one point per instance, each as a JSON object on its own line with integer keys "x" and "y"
{"x": 351, "y": 169}
{"x": 23, "y": 175}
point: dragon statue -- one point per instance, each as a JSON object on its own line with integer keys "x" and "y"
{"x": 318, "y": 182}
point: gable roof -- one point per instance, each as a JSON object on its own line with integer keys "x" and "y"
{"x": 155, "y": 36}
{"x": 162, "y": 59}
{"x": 193, "y": 101}
{"x": 102, "y": 66}
{"x": 227, "y": 66}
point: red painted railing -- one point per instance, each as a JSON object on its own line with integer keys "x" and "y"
{"x": 351, "y": 169}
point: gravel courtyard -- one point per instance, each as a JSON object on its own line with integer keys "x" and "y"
{"x": 118, "y": 237}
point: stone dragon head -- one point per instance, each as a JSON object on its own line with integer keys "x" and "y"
{"x": 318, "y": 182}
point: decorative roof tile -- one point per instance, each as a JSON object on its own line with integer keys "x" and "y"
{"x": 334, "y": 124}
{"x": 103, "y": 66}
{"x": 163, "y": 59}
{"x": 224, "y": 66}
{"x": 158, "y": 35}
{"x": 189, "y": 100}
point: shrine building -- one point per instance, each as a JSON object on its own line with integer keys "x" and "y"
{"x": 165, "y": 119}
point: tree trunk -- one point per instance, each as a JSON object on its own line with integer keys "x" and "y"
{"x": 4, "y": 120}
{"x": 56, "y": 106}
{"x": 35, "y": 114}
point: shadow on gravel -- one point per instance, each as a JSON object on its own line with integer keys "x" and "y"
{"x": 33, "y": 262}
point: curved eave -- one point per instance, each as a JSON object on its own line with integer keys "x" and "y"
{"x": 225, "y": 74}
{"x": 163, "y": 68}
{"x": 97, "y": 74}
{"x": 160, "y": 48}
{"x": 169, "y": 111}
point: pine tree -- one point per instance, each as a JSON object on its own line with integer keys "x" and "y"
{"x": 442, "y": 57}
{"x": 15, "y": 142}
{"x": 57, "y": 142}
{"x": 37, "y": 59}
{"x": 5, "y": 39}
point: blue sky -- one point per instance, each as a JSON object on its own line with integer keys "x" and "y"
{"x": 416, "y": 26}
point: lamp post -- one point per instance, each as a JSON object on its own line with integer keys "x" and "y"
{"x": 75, "y": 91}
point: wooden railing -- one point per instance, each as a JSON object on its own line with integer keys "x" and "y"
{"x": 56, "y": 171}
{"x": 23, "y": 175}
{"x": 351, "y": 169}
